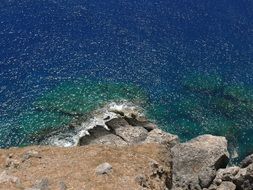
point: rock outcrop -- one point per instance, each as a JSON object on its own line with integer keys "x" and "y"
{"x": 241, "y": 178}
{"x": 195, "y": 162}
{"x": 122, "y": 132}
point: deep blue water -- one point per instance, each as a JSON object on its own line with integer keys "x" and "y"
{"x": 152, "y": 43}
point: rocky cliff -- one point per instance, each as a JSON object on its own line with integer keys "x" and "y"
{"x": 129, "y": 153}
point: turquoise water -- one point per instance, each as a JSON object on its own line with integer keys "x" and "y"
{"x": 189, "y": 63}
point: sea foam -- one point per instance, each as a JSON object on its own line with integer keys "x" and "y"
{"x": 99, "y": 117}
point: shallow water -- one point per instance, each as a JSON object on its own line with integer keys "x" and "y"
{"x": 152, "y": 44}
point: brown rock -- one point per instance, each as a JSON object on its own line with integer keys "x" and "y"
{"x": 6, "y": 178}
{"x": 99, "y": 135}
{"x": 109, "y": 139}
{"x": 30, "y": 154}
{"x": 241, "y": 177}
{"x": 226, "y": 185}
{"x": 247, "y": 161}
{"x": 42, "y": 184}
{"x": 132, "y": 135}
{"x": 195, "y": 160}
{"x": 161, "y": 137}
{"x": 143, "y": 123}
{"x": 116, "y": 123}
{"x": 62, "y": 186}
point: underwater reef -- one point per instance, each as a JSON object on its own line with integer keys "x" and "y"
{"x": 205, "y": 104}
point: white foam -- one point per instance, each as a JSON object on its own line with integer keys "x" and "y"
{"x": 98, "y": 118}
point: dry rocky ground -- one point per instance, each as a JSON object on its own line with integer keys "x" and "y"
{"x": 44, "y": 168}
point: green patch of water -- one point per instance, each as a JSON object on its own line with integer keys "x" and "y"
{"x": 206, "y": 104}
{"x": 57, "y": 107}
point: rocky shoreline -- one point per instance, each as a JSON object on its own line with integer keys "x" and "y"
{"x": 127, "y": 152}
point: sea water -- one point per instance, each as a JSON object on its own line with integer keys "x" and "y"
{"x": 188, "y": 63}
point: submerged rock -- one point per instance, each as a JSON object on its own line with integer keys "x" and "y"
{"x": 239, "y": 93}
{"x": 203, "y": 83}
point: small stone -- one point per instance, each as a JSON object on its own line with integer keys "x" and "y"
{"x": 149, "y": 126}
{"x": 42, "y": 184}
{"x": 226, "y": 185}
{"x": 142, "y": 181}
{"x": 212, "y": 187}
{"x": 31, "y": 154}
{"x": 4, "y": 177}
{"x": 62, "y": 186}
{"x": 10, "y": 155}
{"x": 11, "y": 163}
{"x": 104, "y": 168}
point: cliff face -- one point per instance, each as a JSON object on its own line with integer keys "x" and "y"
{"x": 91, "y": 167}
{"x": 126, "y": 154}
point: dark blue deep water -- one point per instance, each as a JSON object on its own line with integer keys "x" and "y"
{"x": 154, "y": 44}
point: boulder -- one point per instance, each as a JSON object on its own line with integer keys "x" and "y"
{"x": 132, "y": 135}
{"x": 116, "y": 123}
{"x": 227, "y": 174}
{"x": 161, "y": 137}
{"x": 247, "y": 161}
{"x": 141, "y": 122}
{"x": 195, "y": 162}
{"x": 109, "y": 139}
{"x": 100, "y": 135}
